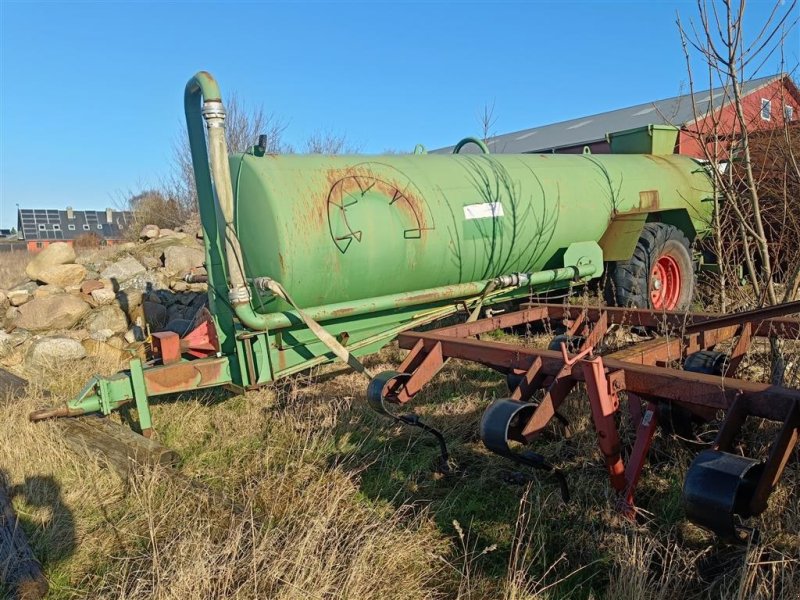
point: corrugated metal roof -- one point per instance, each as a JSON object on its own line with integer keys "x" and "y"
{"x": 593, "y": 128}
{"x": 50, "y": 224}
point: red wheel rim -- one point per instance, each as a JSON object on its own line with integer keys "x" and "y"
{"x": 665, "y": 283}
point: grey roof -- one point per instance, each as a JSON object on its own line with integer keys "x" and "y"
{"x": 48, "y": 224}
{"x": 593, "y": 128}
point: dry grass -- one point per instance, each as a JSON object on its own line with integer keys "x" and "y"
{"x": 328, "y": 500}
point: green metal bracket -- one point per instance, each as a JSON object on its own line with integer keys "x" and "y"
{"x": 140, "y": 396}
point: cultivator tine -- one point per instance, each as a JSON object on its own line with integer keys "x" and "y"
{"x": 503, "y": 421}
{"x": 383, "y": 388}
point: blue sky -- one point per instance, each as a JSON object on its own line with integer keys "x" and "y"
{"x": 91, "y": 92}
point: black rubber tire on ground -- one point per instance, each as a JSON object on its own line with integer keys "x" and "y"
{"x": 633, "y": 282}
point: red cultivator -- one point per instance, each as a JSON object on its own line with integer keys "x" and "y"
{"x": 721, "y": 487}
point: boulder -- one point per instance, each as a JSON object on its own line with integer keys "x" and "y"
{"x": 9, "y": 342}
{"x": 11, "y": 314}
{"x": 179, "y": 260}
{"x": 134, "y": 334}
{"x": 62, "y": 275}
{"x": 48, "y": 290}
{"x": 52, "y": 351}
{"x": 101, "y": 335}
{"x": 51, "y": 312}
{"x": 103, "y": 296}
{"x": 18, "y": 297}
{"x": 90, "y": 285}
{"x": 108, "y": 317}
{"x": 58, "y": 253}
{"x": 105, "y": 351}
{"x": 147, "y": 281}
{"x": 149, "y": 232}
{"x": 123, "y": 270}
{"x": 4, "y": 303}
{"x": 129, "y": 300}
{"x": 179, "y": 285}
{"x": 150, "y": 262}
{"x": 165, "y": 232}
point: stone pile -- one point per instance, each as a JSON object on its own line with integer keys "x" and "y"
{"x": 101, "y": 302}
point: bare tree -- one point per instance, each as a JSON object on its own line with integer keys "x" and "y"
{"x": 745, "y": 207}
{"x": 487, "y": 120}
{"x": 327, "y": 142}
{"x": 243, "y": 125}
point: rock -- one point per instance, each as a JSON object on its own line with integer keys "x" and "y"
{"x": 123, "y": 270}
{"x": 108, "y": 317}
{"x": 134, "y": 334}
{"x": 77, "y": 334}
{"x": 4, "y": 303}
{"x": 52, "y": 351}
{"x": 10, "y": 341}
{"x": 62, "y": 275}
{"x": 104, "y": 351}
{"x": 148, "y": 281}
{"x": 101, "y": 335}
{"x": 58, "y": 253}
{"x": 18, "y": 297}
{"x": 179, "y": 260}
{"x": 151, "y": 262}
{"x": 48, "y": 290}
{"x": 51, "y": 312}
{"x": 198, "y": 288}
{"x": 103, "y": 296}
{"x": 12, "y": 312}
{"x": 179, "y": 286}
{"x": 165, "y": 232}
{"x": 129, "y": 300}
{"x": 90, "y": 285}
{"x": 149, "y": 232}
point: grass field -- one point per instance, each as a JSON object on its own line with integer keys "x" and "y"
{"x": 326, "y": 499}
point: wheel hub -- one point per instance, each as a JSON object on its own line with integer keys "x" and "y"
{"x": 665, "y": 283}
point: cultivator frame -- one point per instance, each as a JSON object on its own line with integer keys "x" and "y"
{"x": 721, "y": 486}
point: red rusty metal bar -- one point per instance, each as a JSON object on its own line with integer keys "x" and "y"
{"x": 766, "y": 401}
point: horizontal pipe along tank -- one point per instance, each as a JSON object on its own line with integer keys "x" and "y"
{"x": 334, "y": 229}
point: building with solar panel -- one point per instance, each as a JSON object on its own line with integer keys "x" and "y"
{"x": 41, "y": 227}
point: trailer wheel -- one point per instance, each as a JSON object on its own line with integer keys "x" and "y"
{"x": 659, "y": 275}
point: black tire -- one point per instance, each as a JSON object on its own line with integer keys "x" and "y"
{"x": 631, "y": 283}
{"x": 678, "y": 420}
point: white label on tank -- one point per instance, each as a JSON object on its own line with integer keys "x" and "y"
{"x": 487, "y": 210}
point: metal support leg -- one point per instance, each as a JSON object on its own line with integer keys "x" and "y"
{"x": 140, "y": 395}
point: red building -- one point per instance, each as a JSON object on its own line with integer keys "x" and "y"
{"x": 768, "y": 102}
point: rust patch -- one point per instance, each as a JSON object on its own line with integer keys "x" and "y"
{"x": 342, "y": 312}
{"x": 347, "y": 185}
{"x": 649, "y": 200}
{"x": 184, "y": 376}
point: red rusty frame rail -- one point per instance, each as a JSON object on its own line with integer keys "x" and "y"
{"x": 639, "y": 370}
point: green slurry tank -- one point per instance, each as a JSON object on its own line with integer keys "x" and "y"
{"x": 314, "y": 257}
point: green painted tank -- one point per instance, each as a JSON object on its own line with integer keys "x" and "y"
{"x": 340, "y": 228}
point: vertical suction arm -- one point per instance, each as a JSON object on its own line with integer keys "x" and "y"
{"x": 203, "y": 102}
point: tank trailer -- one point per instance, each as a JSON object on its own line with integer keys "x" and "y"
{"x": 316, "y": 258}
